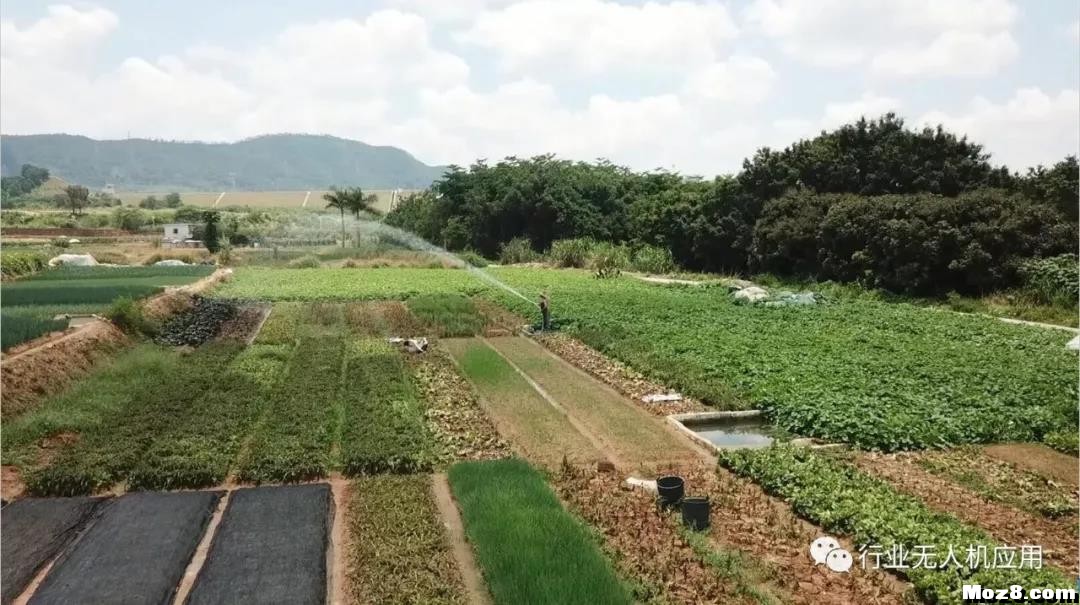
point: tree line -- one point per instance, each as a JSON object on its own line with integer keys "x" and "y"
{"x": 912, "y": 211}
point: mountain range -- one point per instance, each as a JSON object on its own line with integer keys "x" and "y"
{"x": 264, "y": 163}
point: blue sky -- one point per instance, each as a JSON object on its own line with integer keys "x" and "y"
{"x": 690, "y": 85}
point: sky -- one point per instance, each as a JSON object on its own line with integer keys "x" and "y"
{"x": 694, "y": 86}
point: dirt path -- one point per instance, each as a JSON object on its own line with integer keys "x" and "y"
{"x": 1040, "y": 459}
{"x": 475, "y": 588}
{"x": 637, "y": 440}
{"x": 1005, "y": 523}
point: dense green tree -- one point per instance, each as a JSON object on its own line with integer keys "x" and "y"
{"x": 78, "y": 197}
{"x": 29, "y": 178}
{"x": 172, "y": 200}
{"x": 211, "y": 237}
{"x": 1057, "y": 186}
{"x": 150, "y": 202}
{"x": 874, "y": 157}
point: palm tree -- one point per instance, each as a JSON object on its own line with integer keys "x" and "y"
{"x": 358, "y": 202}
{"x": 340, "y": 199}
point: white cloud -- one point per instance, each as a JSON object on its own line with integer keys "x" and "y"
{"x": 65, "y": 36}
{"x": 899, "y": 38}
{"x": 837, "y": 113}
{"x": 953, "y": 53}
{"x": 1030, "y": 128}
{"x": 739, "y": 79}
{"x": 594, "y": 36}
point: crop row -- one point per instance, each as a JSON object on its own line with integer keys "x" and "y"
{"x": 384, "y": 428}
{"x": 292, "y": 441}
{"x": 447, "y": 314}
{"x": 848, "y": 502}
{"x": 65, "y": 273}
{"x": 531, "y": 550}
{"x": 57, "y": 293}
{"x": 399, "y": 552}
{"x": 347, "y": 284}
{"x": 200, "y": 449}
{"x": 879, "y": 375}
{"x": 19, "y": 327}
{"x": 115, "y": 417}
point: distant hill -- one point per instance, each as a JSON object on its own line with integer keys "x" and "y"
{"x": 271, "y": 162}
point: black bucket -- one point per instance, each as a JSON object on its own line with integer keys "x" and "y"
{"x": 670, "y": 490}
{"x": 695, "y": 512}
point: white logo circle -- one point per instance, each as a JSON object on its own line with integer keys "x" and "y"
{"x": 838, "y": 560}
{"x": 819, "y": 549}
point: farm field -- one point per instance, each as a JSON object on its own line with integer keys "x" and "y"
{"x": 878, "y": 375}
{"x": 321, "y": 395}
{"x": 30, "y": 303}
{"x": 257, "y": 199}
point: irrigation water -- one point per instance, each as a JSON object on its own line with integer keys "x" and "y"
{"x": 419, "y": 244}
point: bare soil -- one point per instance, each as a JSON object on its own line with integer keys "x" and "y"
{"x": 36, "y": 373}
{"x": 1005, "y": 523}
{"x": 1038, "y": 458}
{"x": 11, "y": 483}
{"x": 244, "y": 325}
{"x": 498, "y": 320}
{"x": 623, "y": 379}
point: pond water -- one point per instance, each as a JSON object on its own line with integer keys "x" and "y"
{"x": 734, "y": 433}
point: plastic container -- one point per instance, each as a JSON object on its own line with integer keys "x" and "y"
{"x": 695, "y": 512}
{"x": 670, "y": 489}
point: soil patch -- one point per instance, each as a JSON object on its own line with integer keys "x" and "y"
{"x": 1038, "y": 458}
{"x": 11, "y": 483}
{"x": 34, "y": 374}
{"x": 497, "y": 319}
{"x": 1000, "y": 481}
{"x": 617, "y": 375}
{"x": 453, "y": 410}
{"x": 1005, "y": 523}
{"x": 244, "y": 326}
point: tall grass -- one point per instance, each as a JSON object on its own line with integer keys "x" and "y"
{"x": 529, "y": 548}
{"x": 50, "y": 293}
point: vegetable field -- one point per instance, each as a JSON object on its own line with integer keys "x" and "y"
{"x": 29, "y": 304}
{"x": 878, "y": 375}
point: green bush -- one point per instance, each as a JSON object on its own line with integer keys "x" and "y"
{"x": 304, "y": 262}
{"x": 473, "y": 259}
{"x": 653, "y": 259}
{"x": 517, "y": 250}
{"x": 1067, "y": 442}
{"x": 571, "y": 252}
{"x": 15, "y": 264}
{"x": 608, "y": 260}
{"x": 1052, "y": 280}
{"x": 128, "y": 315}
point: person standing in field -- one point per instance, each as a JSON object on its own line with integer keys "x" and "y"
{"x": 545, "y": 313}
